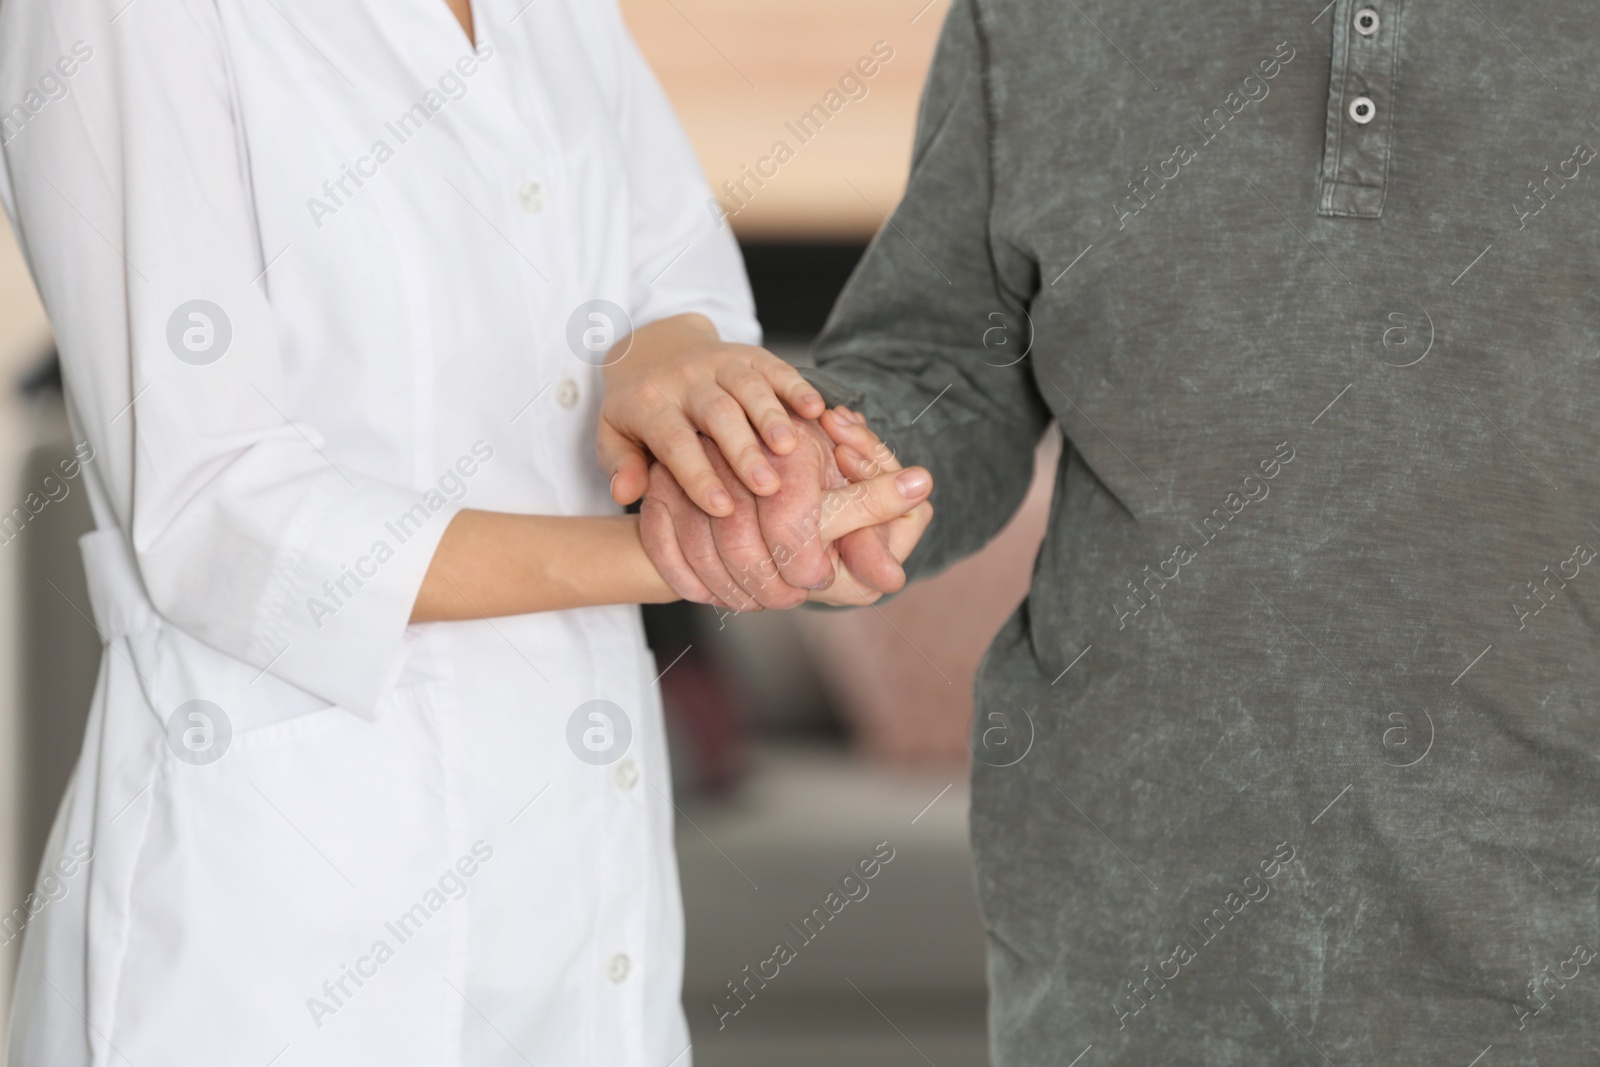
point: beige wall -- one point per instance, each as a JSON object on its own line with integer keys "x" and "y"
{"x": 738, "y": 70}
{"x": 23, "y": 329}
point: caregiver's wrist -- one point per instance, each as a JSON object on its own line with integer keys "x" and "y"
{"x": 652, "y": 587}
{"x": 651, "y": 347}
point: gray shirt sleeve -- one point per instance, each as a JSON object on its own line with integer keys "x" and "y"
{"x": 930, "y": 336}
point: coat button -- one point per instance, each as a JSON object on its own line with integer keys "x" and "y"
{"x": 1367, "y": 21}
{"x": 617, "y": 969}
{"x": 625, "y": 774}
{"x": 531, "y": 196}
{"x": 567, "y": 394}
{"x": 1363, "y": 110}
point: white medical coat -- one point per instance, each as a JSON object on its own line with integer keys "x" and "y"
{"x": 322, "y": 273}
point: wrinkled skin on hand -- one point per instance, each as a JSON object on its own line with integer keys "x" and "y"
{"x": 767, "y": 552}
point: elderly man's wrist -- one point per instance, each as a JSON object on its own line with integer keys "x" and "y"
{"x": 834, "y": 389}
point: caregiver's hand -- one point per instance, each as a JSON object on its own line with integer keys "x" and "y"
{"x": 675, "y": 380}
{"x": 740, "y": 561}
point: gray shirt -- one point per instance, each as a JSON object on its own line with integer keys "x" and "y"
{"x": 1290, "y": 755}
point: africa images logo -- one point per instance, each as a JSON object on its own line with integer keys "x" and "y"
{"x": 199, "y": 732}
{"x": 199, "y": 332}
{"x": 599, "y": 732}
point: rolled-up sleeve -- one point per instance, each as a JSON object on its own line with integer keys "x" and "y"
{"x": 929, "y": 335}
{"x": 132, "y": 199}
{"x": 685, "y": 258}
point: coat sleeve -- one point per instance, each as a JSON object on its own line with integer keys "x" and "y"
{"x": 685, "y": 258}
{"x": 928, "y": 336}
{"x": 131, "y": 196}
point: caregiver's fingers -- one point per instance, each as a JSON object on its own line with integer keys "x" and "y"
{"x": 628, "y": 463}
{"x": 763, "y": 404}
{"x": 678, "y": 446}
{"x": 723, "y": 418}
{"x": 874, "y": 501}
{"x": 789, "y": 384}
{"x": 740, "y": 407}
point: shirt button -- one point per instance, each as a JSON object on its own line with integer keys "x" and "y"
{"x": 617, "y": 969}
{"x": 567, "y": 394}
{"x": 626, "y": 774}
{"x": 531, "y": 196}
{"x": 1363, "y": 110}
{"x": 1367, "y": 21}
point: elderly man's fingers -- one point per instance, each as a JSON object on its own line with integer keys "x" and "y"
{"x": 905, "y": 532}
{"x": 856, "y": 443}
{"x": 848, "y": 590}
{"x": 700, "y": 549}
{"x": 896, "y": 538}
{"x": 790, "y": 518}
{"x": 745, "y": 554}
{"x": 690, "y": 529}
{"x": 661, "y": 545}
{"x": 880, "y": 567}
{"x": 867, "y": 555}
{"x": 861, "y": 456}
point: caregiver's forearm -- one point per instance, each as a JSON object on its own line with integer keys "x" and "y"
{"x": 491, "y": 563}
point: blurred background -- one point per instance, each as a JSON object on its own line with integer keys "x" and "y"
{"x": 801, "y": 742}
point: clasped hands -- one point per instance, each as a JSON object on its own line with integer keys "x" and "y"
{"x": 747, "y": 478}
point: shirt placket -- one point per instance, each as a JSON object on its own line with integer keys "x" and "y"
{"x": 1361, "y": 100}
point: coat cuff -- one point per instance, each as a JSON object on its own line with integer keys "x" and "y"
{"x": 334, "y": 617}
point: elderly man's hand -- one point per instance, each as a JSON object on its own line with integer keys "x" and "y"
{"x": 778, "y": 551}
